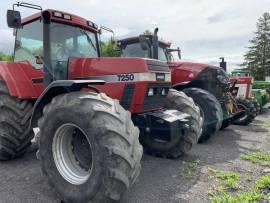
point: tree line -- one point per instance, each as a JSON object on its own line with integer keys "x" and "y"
{"x": 5, "y": 57}
{"x": 257, "y": 57}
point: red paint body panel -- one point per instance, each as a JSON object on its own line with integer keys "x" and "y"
{"x": 185, "y": 71}
{"x": 18, "y": 77}
{"x": 241, "y": 80}
{"x": 105, "y": 66}
{"x": 91, "y": 67}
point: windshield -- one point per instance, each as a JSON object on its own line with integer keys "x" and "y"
{"x": 69, "y": 41}
{"x": 135, "y": 50}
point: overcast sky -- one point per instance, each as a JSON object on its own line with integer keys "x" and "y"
{"x": 204, "y": 29}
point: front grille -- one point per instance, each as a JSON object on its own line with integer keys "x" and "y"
{"x": 157, "y": 100}
{"x": 127, "y": 96}
{"x": 156, "y": 65}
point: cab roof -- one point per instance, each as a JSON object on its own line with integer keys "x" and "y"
{"x": 74, "y": 20}
{"x": 135, "y": 39}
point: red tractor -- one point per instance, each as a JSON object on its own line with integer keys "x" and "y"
{"x": 86, "y": 106}
{"x": 206, "y": 84}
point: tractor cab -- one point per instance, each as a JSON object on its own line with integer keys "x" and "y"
{"x": 49, "y": 38}
{"x": 149, "y": 46}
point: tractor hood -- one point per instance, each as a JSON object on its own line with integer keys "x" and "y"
{"x": 118, "y": 69}
{"x": 185, "y": 71}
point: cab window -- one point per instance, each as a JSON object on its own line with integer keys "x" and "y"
{"x": 134, "y": 50}
{"x": 29, "y": 43}
{"x": 162, "y": 54}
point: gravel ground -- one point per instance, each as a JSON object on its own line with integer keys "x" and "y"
{"x": 161, "y": 180}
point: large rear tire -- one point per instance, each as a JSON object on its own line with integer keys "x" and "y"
{"x": 210, "y": 109}
{"x": 181, "y": 102}
{"x": 89, "y": 147}
{"x": 15, "y": 134}
{"x": 250, "y": 110}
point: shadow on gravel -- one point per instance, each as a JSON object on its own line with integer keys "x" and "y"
{"x": 162, "y": 180}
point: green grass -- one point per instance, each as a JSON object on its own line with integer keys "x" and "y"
{"x": 263, "y": 182}
{"x": 190, "y": 167}
{"x": 266, "y": 124}
{"x": 262, "y": 158}
{"x": 230, "y": 179}
{"x": 253, "y": 195}
{"x": 240, "y": 197}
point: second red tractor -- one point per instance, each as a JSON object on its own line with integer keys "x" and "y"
{"x": 209, "y": 86}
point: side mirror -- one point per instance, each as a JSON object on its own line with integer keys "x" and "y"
{"x": 144, "y": 42}
{"x": 14, "y": 19}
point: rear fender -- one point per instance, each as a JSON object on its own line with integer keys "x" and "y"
{"x": 57, "y": 88}
{"x": 182, "y": 85}
{"x": 20, "y": 79}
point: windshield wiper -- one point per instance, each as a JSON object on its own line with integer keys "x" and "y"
{"x": 89, "y": 39}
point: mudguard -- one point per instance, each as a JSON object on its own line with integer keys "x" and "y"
{"x": 56, "y": 88}
{"x": 20, "y": 78}
{"x": 181, "y": 85}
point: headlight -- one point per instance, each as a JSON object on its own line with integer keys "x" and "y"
{"x": 164, "y": 91}
{"x": 150, "y": 92}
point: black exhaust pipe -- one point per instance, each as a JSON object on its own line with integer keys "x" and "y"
{"x": 223, "y": 64}
{"x": 155, "y": 44}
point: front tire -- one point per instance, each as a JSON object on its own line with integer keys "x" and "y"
{"x": 15, "y": 134}
{"x": 210, "y": 109}
{"x": 181, "y": 102}
{"x": 89, "y": 147}
{"x": 250, "y": 110}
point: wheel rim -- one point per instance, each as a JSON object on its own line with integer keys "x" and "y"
{"x": 72, "y": 154}
{"x": 242, "y": 107}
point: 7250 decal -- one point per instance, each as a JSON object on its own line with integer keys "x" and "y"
{"x": 125, "y": 77}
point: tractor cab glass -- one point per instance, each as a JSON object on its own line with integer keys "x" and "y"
{"x": 68, "y": 41}
{"x": 65, "y": 41}
{"x": 29, "y": 43}
{"x": 135, "y": 50}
